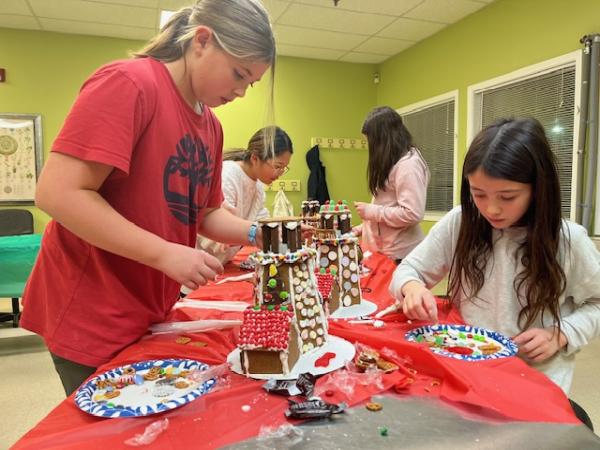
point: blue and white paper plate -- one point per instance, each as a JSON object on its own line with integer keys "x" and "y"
{"x": 145, "y": 398}
{"x": 458, "y": 335}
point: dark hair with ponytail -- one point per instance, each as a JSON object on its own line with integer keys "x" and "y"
{"x": 256, "y": 146}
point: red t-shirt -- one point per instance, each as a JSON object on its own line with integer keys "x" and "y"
{"x": 87, "y": 303}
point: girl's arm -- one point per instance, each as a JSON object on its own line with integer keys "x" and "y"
{"x": 261, "y": 199}
{"x": 410, "y": 187}
{"x": 426, "y": 266}
{"x": 577, "y": 330}
{"x": 580, "y": 321}
{"x": 222, "y": 226}
{"x": 68, "y": 191}
{"x": 230, "y": 194}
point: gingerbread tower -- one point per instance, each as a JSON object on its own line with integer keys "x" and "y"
{"x": 338, "y": 256}
{"x": 310, "y": 212}
{"x": 287, "y": 320}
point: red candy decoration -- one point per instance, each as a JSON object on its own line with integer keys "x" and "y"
{"x": 323, "y": 361}
{"x": 459, "y": 350}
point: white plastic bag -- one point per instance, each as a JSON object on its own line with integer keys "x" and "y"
{"x": 193, "y": 326}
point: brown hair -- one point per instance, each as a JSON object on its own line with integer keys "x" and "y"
{"x": 389, "y": 140}
{"x": 515, "y": 150}
{"x": 240, "y": 27}
{"x": 281, "y": 143}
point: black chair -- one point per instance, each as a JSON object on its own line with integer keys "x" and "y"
{"x": 14, "y": 222}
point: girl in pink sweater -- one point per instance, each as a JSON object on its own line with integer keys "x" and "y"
{"x": 398, "y": 176}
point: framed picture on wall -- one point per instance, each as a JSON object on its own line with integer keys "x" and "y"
{"x": 21, "y": 157}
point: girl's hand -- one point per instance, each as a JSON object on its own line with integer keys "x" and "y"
{"x": 419, "y": 303}
{"x": 539, "y": 344}
{"x": 307, "y": 231}
{"x": 188, "y": 266}
{"x": 360, "y": 209}
{"x": 357, "y": 231}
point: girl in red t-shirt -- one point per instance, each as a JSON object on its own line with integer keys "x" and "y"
{"x": 133, "y": 176}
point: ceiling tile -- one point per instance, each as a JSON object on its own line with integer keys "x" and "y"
{"x": 143, "y": 3}
{"x": 334, "y": 19}
{"x": 309, "y": 52}
{"x": 366, "y": 58}
{"x": 275, "y": 8}
{"x": 444, "y": 11}
{"x": 285, "y": 34}
{"x": 19, "y": 22}
{"x": 410, "y": 29}
{"x": 384, "y": 7}
{"x": 173, "y": 5}
{"x": 382, "y": 46}
{"x": 14, "y": 7}
{"x": 85, "y": 11}
{"x": 97, "y": 29}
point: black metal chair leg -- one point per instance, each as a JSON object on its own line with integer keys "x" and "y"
{"x": 16, "y": 312}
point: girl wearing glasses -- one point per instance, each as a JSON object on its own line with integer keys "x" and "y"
{"x": 245, "y": 172}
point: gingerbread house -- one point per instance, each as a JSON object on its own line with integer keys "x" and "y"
{"x": 310, "y": 212}
{"x": 287, "y": 320}
{"x": 338, "y": 255}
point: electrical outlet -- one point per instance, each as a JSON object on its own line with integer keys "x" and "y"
{"x": 284, "y": 185}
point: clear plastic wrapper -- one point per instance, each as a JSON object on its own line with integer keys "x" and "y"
{"x": 347, "y": 380}
{"x": 284, "y": 436}
{"x": 150, "y": 433}
{"x": 220, "y": 373}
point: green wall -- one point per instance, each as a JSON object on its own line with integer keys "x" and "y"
{"x": 44, "y": 72}
{"x": 500, "y": 38}
{"x": 313, "y": 98}
{"x": 318, "y": 98}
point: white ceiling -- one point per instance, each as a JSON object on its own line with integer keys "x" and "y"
{"x": 362, "y": 31}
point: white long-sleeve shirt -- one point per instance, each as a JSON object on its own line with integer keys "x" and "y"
{"x": 245, "y": 198}
{"x": 497, "y": 307}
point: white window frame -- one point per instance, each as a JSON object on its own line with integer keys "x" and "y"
{"x": 428, "y": 103}
{"x": 474, "y": 104}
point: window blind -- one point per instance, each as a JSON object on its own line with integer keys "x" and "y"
{"x": 550, "y": 98}
{"x": 432, "y": 129}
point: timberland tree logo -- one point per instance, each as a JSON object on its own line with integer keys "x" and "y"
{"x": 193, "y": 163}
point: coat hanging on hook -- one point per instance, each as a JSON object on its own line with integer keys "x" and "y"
{"x": 317, "y": 183}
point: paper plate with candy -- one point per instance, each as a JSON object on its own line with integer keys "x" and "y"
{"x": 464, "y": 342}
{"x": 144, "y": 388}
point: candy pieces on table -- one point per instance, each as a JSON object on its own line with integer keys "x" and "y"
{"x": 370, "y": 359}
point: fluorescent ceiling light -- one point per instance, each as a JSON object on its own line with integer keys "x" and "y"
{"x": 164, "y": 17}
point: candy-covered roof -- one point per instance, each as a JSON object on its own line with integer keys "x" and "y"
{"x": 332, "y": 207}
{"x": 265, "y": 328}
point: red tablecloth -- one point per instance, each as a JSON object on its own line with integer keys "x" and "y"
{"x": 501, "y": 389}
